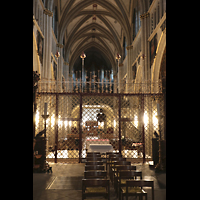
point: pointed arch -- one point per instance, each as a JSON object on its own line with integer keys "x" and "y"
{"x": 157, "y": 62}
{"x": 36, "y": 61}
{"x": 72, "y": 38}
{"x": 68, "y": 16}
{"x": 104, "y": 51}
{"x": 138, "y": 79}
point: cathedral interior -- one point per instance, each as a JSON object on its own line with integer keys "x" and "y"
{"x": 99, "y": 78}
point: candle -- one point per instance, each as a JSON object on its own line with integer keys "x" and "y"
{"x": 158, "y": 108}
{"x": 45, "y": 108}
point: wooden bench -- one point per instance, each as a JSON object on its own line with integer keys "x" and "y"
{"x": 134, "y": 188}
{"x": 95, "y": 188}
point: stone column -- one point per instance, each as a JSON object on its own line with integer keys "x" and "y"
{"x": 47, "y": 46}
{"x": 66, "y": 70}
{"x": 120, "y": 86}
{"x": 118, "y": 57}
{"x": 60, "y": 67}
{"x": 129, "y": 87}
{"x": 70, "y": 89}
{"x": 144, "y": 47}
{"x": 50, "y": 47}
{"x": 115, "y": 84}
{"x": 66, "y": 74}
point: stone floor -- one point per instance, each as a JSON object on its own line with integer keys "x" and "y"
{"x": 65, "y": 182}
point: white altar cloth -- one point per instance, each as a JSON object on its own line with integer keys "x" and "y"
{"x": 102, "y": 148}
{"x": 96, "y": 141}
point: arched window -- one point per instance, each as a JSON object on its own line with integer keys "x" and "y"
{"x": 164, "y": 6}
{"x": 150, "y": 2}
{"x": 124, "y": 48}
{"x": 55, "y": 20}
{"x": 133, "y": 21}
{"x": 136, "y": 19}
{"x": 63, "y": 49}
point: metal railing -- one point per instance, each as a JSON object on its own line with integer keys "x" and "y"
{"x": 104, "y": 86}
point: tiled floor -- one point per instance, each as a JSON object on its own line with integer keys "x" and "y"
{"x": 65, "y": 183}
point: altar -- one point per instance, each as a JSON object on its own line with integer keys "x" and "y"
{"x": 102, "y": 148}
{"x": 96, "y": 141}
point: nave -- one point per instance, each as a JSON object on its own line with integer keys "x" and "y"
{"x": 65, "y": 182}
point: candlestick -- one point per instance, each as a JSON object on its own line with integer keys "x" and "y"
{"x": 45, "y": 108}
{"x": 158, "y": 108}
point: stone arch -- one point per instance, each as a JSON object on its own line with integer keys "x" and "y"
{"x": 138, "y": 79}
{"x": 157, "y": 61}
{"x": 72, "y": 13}
{"x": 85, "y": 47}
{"x": 80, "y": 33}
{"x": 36, "y": 61}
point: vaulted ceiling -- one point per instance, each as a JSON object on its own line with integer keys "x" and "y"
{"x": 96, "y": 27}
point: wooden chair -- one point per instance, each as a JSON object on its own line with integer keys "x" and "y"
{"x": 118, "y": 164}
{"x": 117, "y": 168}
{"x": 93, "y": 155}
{"x": 112, "y": 160}
{"x": 113, "y": 168}
{"x": 94, "y": 167}
{"x": 134, "y": 188}
{"x": 114, "y": 155}
{"x": 93, "y": 159}
{"x": 95, "y": 188}
{"x": 94, "y": 163}
{"x": 123, "y": 169}
{"x": 110, "y": 155}
{"x": 95, "y": 174}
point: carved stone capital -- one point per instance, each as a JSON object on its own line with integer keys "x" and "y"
{"x": 145, "y": 15}
{"x": 129, "y": 47}
{"x": 48, "y": 12}
{"x": 60, "y": 45}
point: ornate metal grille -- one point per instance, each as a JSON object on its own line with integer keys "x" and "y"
{"x": 131, "y": 126}
{"x": 68, "y": 126}
{"x": 50, "y": 99}
{"x": 126, "y": 121}
{"x": 100, "y": 120}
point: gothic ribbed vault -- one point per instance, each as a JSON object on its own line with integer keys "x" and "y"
{"x": 93, "y": 24}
